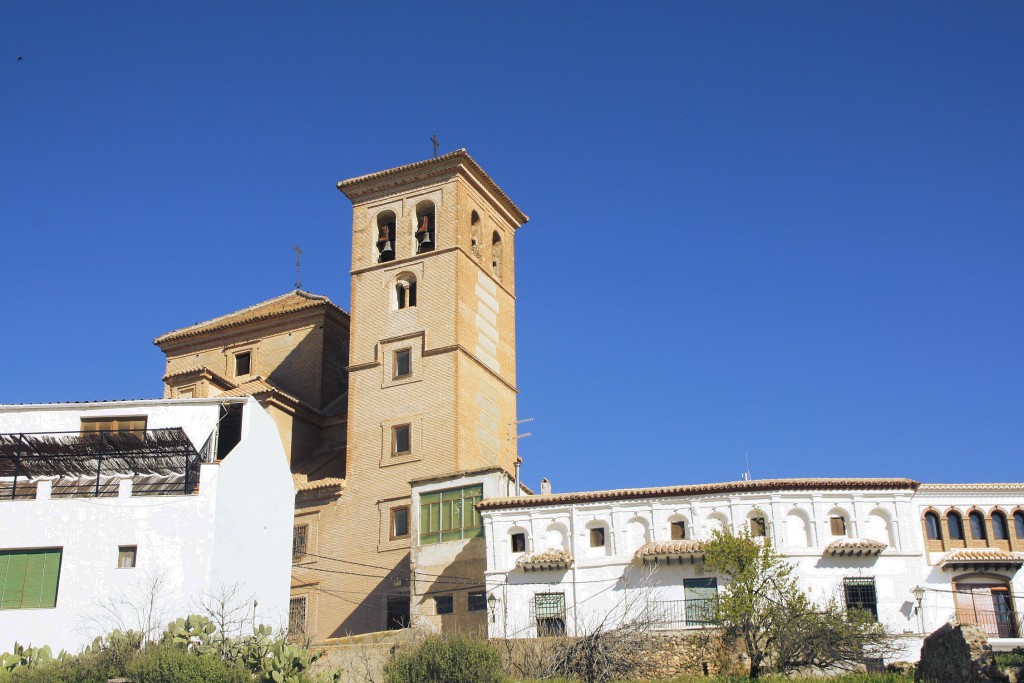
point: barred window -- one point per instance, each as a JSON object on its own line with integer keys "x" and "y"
{"x": 860, "y": 595}
{"x": 445, "y": 604}
{"x": 300, "y": 537}
{"x": 549, "y": 611}
{"x": 297, "y": 616}
{"x": 477, "y": 601}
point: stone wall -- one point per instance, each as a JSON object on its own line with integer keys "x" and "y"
{"x": 958, "y": 654}
{"x": 655, "y": 655}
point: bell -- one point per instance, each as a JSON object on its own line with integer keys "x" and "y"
{"x": 424, "y": 239}
{"x": 382, "y": 233}
{"x": 386, "y": 247}
{"x": 422, "y": 230}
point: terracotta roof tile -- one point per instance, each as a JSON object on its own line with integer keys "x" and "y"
{"x": 291, "y": 302}
{"x": 855, "y": 546}
{"x": 750, "y": 486}
{"x": 553, "y": 558}
{"x": 668, "y": 548}
{"x": 975, "y": 555}
{"x": 303, "y": 484}
{"x": 200, "y": 369}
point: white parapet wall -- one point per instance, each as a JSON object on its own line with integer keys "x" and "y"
{"x": 232, "y": 535}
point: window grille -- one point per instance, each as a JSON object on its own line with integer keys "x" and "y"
{"x": 297, "y": 616}
{"x": 477, "y": 601}
{"x": 549, "y": 611}
{"x": 300, "y": 537}
{"x": 445, "y": 604}
{"x": 860, "y": 595}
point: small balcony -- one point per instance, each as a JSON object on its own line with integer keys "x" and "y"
{"x": 668, "y": 615}
{"x": 93, "y": 465}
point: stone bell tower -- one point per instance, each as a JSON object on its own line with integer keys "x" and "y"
{"x": 432, "y": 364}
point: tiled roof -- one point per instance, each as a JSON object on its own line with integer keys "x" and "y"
{"x": 445, "y": 159}
{"x": 291, "y": 302}
{"x": 220, "y": 379}
{"x": 303, "y": 484}
{"x": 855, "y": 546}
{"x": 257, "y": 385}
{"x": 749, "y": 486}
{"x": 962, "y": 556}
{"x": 668, "y": 548}
{"x": 553, "y": 558}
{"x": 927, "y": 488}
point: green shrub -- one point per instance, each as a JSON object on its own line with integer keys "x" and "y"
{"x": 447, "y": 659}
{"x": 1009, "y": 659}
{"x": 169, "y": 664}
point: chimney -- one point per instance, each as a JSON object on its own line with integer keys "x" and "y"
{"x": 545, "y": 486}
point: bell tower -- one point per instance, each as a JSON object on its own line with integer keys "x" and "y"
{"x": 432, "y": 364}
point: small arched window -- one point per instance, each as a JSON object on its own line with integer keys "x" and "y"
{"x": 932, "y": 527}
{"x": 424, "y": 227}
{"x": 678, "y": 530}
{"x": 757, "y": 521}
{"x": 496, "y": 254}
{"x": 977, "y": 526}
{"x": 956, "y": 526}
{"x": 474, "y": 238}
{"x": 405, "y": 291}
{"x": 1018, "y": 524}
{"x": 1000, "y": 530}
{"x": 386, "y": 236}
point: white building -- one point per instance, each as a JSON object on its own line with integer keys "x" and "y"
{"x": 562, "y": 563}
{"x": 125, "y": 514}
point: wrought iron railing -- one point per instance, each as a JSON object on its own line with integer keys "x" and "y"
{"x": 91, "y": 464}
{"x": 672, "y": 614}
{"x": 994, "y": 624}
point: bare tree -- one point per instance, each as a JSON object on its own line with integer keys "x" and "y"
{"x": 140, "y": 608}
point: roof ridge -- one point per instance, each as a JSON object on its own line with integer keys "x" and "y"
{"x": 212, "y": 324}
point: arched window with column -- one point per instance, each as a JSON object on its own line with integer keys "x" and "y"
{"x": 386, "y": 222}
{"x": 425, "y": 221}
{"x": 405, "y": 291}
{"x": 1018, "y": 524}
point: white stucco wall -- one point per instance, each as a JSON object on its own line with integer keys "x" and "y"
{"x": 607, "y": 581}
{"x": 234, "y": 531}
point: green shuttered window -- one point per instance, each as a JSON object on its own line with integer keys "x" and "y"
{"x": 29, "y": 578}
{"x": 450, "y": 515}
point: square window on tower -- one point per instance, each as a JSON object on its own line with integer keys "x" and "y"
{"x": 403, "y": 363}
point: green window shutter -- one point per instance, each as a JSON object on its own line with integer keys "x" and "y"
{"x": 29, "y": 578}
{"x": 51, "y": 579}
{"x": 14, "y": 581}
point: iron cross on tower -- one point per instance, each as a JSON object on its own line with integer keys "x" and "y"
{"x": 298, "y": 267}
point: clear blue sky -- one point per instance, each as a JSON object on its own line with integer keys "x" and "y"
{"x": 785, "y": 229}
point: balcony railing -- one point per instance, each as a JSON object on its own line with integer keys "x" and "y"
{"x": 666, "y": 615}
{"x": 994, "y": 624}
{"x": 158, "y": 461}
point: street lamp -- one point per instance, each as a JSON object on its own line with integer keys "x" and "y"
{"x": 491, "y": 603}
{"x": 918, "y": 592}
